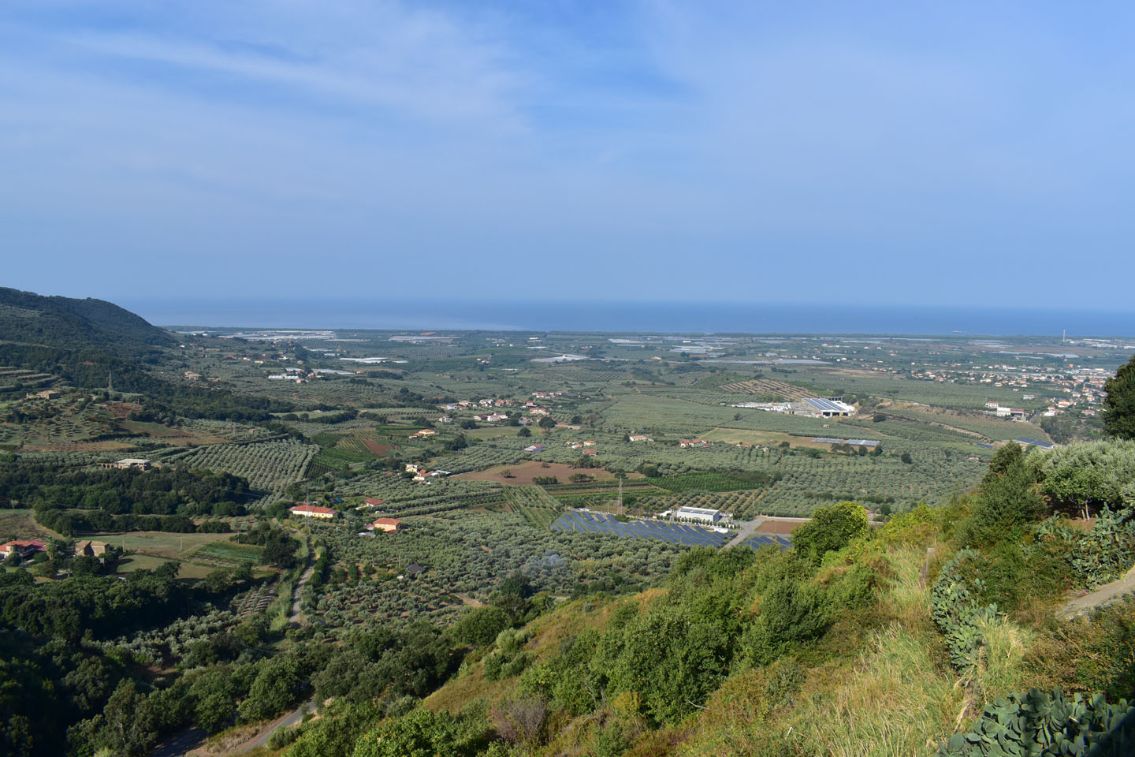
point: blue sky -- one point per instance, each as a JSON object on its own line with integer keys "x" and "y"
{"x": 925, "y": 153}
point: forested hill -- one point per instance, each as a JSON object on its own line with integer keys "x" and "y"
{"x": 67, "y": 323}
{"x": 92, "y": 344}
{"x": 83, "y": 342}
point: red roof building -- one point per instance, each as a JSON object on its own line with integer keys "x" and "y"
{"x": 22, "y": 547}
{"x": 386, "y": 525}
{"x": 373, "y": 502}
{"x": 313, "y": 511}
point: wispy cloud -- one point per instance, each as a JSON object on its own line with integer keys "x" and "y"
{"x": 694, "y": 150}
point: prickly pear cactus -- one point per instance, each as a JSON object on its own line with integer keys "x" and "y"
{"x": 1042, "y": 723}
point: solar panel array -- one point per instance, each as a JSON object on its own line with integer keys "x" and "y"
{"x": 824, "y": 405}
{"x": 1036, "y": 443}
{"x": 578, "y": 521}
{"x": 851, "y": 442}
{"x": 763, "y": 540}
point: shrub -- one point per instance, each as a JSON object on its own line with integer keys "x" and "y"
{"x": 830, "y": 529}
{"x": 1086, "y": 475}
{"x": 520, "y": 721}
{"x": 479, "y": 626}
{"x": 790, "y": 615}
{"x": 1007, "y": 501}
{"x": 1107, "y": 551}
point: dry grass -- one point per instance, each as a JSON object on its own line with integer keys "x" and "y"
{"x": 896, "y": 700}
{"x": 548, "y": 632}
{"x": 21, "y": 524}
{"x": 1003, "y": 668}
{"x": 907, "y": 598}
{"x": 469, "y": 686}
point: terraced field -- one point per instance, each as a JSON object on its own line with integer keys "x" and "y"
{"x": 777, "y": 390}
{"x": 270, "y": 467}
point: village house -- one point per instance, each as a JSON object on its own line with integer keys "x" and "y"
{"x": 23, "y": 547}
{"x": 306, "y": 510}
{"x": 423, "y": 433}
{"x": 385, "y": 525}
{"x": 687, "y": 443}
{"x": 639, "y": 438}
{"x": 128, "y": 463}
{"x": 88, "y": 548}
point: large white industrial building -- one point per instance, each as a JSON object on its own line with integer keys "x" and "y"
{"x": 698, "y": 514}
{"x": 823, "y": 408}
{"x": 812, "y": 407}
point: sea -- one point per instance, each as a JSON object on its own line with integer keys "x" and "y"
{"x": 624, "y": 317}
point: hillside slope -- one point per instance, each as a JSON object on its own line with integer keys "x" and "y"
{"x": 939, "y": 632}
{"x": 67, "y": 323}
{"x": 91, "y": 343}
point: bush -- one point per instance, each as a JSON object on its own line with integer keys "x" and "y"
{"x": 1007, "y": 501}
{"x": 479, "y": 626}
{"x": 1089, "y": 475}
{"x": 422, "y": 733}
{"x": 508, "y": 658}
{"x": 831, "y": 528}
{"x": 791, "y": 614}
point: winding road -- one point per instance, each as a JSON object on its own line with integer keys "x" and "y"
{"x": 265, "y": 733}
{"x": 1104, "y": 595}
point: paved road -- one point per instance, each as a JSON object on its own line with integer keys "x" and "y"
{"x": 284, "y": 721}
{"x": 748, "y": 527}
{"x": 180, "y": 744}
{"x": 1104, "y": 595}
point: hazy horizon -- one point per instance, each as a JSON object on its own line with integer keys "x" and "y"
{"x": 657, "y": 317}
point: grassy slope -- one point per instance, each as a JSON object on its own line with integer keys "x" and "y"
{"x": 878, "y": 683}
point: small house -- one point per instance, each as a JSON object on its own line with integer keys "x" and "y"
{"x": 306, "y": 510}
{"x": 23, "y": 547}
{"x": 385, "y": 525}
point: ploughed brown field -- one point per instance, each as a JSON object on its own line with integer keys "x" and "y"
{"x": 524, "y": 474}
{"x": 778, "y": 526}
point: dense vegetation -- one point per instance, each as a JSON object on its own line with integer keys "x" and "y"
{"x": 157, "y": 491}
{"x": 753, "y": 636}
{"x": 474, "y": 627}
{"x": 73, "y": 500}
